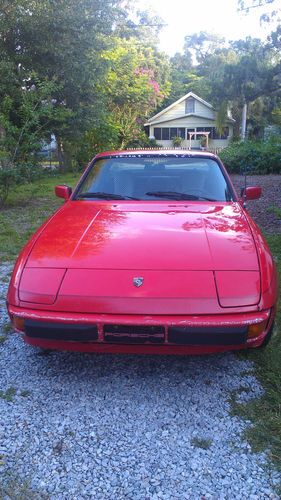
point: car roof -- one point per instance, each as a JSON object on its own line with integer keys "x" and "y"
{"x": 157, "y": 152}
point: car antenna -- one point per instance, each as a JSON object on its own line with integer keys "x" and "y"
{"x": 245, "y": 187}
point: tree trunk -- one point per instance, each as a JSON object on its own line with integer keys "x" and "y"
{"x": 60, "y": 153}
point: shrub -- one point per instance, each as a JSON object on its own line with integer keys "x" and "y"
{"x": 256, "y": 157}
{"x": 177, "y": 141}
{"x": 142, "y": 142}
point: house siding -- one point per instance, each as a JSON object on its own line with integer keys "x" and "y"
{"x": 175, "y": 112}
{"x": 179, "y": 111}
{"x": 201, "y": 109}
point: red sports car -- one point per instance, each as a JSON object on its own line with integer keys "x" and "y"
{"x": 153, "y": 252}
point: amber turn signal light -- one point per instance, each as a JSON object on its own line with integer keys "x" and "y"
{"x": 18, "y": 323}
{"x": 256, "y": 329}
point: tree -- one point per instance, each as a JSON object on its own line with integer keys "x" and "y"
{"x": 56, "y": 43}
{"x": 136, "y": 83}
{"x": 200, "y": 46}
{"x": 266, "y": 14}
{"x": 239, "y": 74}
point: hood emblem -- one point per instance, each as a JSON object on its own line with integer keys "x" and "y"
{"x": 138, "y": 281}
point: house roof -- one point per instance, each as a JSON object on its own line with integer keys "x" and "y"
{"x": 158, "y": 121}
{"x": 155, "y": 118}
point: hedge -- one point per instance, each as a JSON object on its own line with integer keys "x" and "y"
{"x": 255, "y": 157}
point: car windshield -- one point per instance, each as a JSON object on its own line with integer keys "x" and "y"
{"x": 155, "y": 178}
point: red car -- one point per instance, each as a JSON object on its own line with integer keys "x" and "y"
{"x": 153, "y": 252}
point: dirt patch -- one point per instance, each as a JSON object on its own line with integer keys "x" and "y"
{"x": 266, "y": 211}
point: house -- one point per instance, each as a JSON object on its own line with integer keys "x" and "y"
{"x": 190, "y": 118}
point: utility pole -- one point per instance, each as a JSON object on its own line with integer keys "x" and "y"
{"x": 244, "y": 122}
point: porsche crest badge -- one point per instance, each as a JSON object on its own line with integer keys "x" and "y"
{"x": 138, "y": 281}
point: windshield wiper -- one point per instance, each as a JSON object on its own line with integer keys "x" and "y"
{"x": 174, "y": 195}
{"x": 105, "y": 196}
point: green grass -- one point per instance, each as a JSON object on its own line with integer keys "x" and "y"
{"x": 25, "y": 393}
{"x": 27, "y": 207}
{"x": 273, "y": 209}
{"x": 6, "y": 329}
{"x": 9, "y": 394}
{"x": 265, "y": 412}
{"x": 202, "y": 443}
{"x": 12, "y": 488}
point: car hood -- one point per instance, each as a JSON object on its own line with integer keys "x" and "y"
{"x": 152, "y": 236}
{"x": 191, "y": 258}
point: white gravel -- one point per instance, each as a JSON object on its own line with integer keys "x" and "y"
{"x": 127, "y": 427}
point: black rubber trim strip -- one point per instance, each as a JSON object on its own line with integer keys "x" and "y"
{"x": 133, "y": 339}
{"x": 208, "y": 335}
{"x": 60, "y": 331}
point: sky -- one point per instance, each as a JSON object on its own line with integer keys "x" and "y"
{"x": 185, "y": 17}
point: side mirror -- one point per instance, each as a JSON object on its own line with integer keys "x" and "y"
{"x": 251, "y": 193}
{"x": 63, "y": 192}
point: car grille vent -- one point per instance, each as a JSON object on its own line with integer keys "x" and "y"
{"x": 132, "y": 334}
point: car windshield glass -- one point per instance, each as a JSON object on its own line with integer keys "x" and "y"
{"x": 155, "y": 178}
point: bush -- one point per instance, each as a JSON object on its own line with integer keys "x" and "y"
{"x": 177, "y": 141}
{"x": 255, "y": 157}
{"x": 142, "y": 142}
{"x": 16, "y": 175}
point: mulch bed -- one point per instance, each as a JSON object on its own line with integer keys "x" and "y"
{"x": 265, "y": 210}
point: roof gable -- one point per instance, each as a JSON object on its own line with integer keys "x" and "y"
{"x": 176, "y": 103}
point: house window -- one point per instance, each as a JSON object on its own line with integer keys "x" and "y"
{"x": 181, "y": 132}
{"x": 173, "y": 132}
{"x": 157, "y": 134}
{"x": 211, "y": 130}
{"x": 189, "y": 105}
{"x": 165, "y": 134}
{"x": 225, "y": 133}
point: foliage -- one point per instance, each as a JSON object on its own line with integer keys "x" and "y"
{"x": 13, "y": 176}
{"x": 276, "y": 115}
{"x": 233, "y": 74}
{"x": 257, "y": 157}
{"x": 266, "y": 13}
{"x": 55, "y": 49}
{"x": 26, "y": 119}
{"x": 265, "y": 433}
{"x": 202, "y": 45}
{"x": 203, "y": 141}
{"x": 136, "y": 84}
{"x": 85, "y": 72}
{"x": 221, "y": 117}
{"x": 142, "y": 141}
{"x": 177, "y": 141}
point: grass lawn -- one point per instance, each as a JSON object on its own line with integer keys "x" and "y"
{"x": 265, "y": 412}
{"x": 31, "y": 204}
{"x": 27, "y": 207}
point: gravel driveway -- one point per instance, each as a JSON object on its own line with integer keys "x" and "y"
{"x": 125, "y": 427}
{"x": 267, "y": 210}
